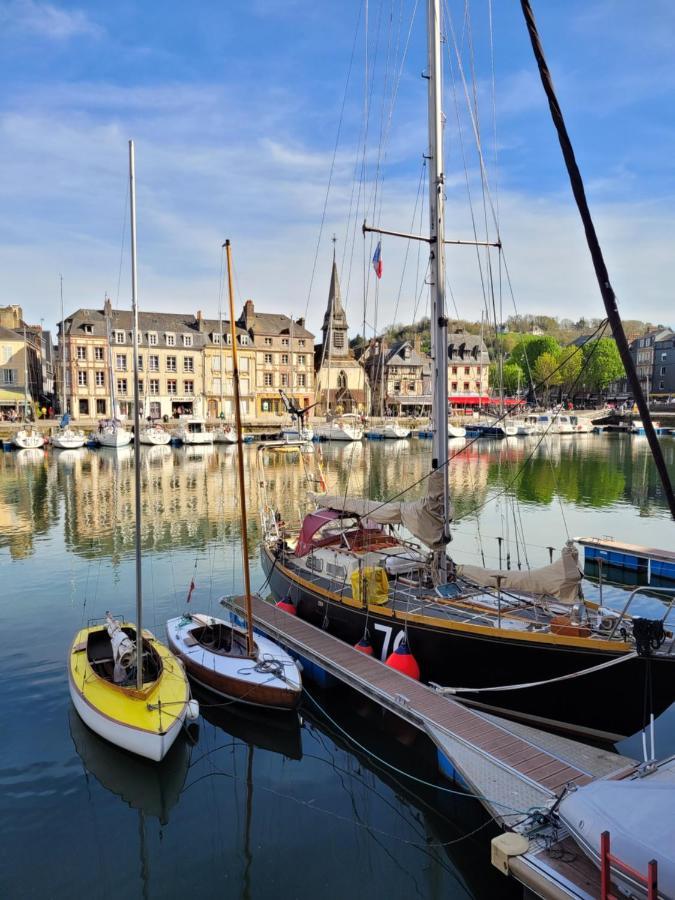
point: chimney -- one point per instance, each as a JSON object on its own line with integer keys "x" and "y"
{"x": 417, "y": 343}
{"x": 107, "y": 308}
{"x": 200, "y": 320}
{"x": 249, "y": 314}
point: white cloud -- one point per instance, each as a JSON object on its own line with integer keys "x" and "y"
{"x": 46, "y": 20}
{"x": 210, "y": 167}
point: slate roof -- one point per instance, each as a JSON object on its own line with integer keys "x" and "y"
{"x": 277, "y": 324}
{"x": 177, "y": 323}
{"x": 473, "y": 344}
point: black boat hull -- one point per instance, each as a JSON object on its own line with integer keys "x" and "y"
{"x": 608, "y": 704}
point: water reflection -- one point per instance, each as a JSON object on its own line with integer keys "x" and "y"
{"x": 190, "y": 493}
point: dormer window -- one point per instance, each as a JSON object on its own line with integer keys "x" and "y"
{"x": 170, "y": 339}
{"x": 87, "y": 328}
{"x": 215, "y": 337}
{"x": 243, "y": 340}
{"x": 451, "y": 351}
{"x": 228, "y": 338}
{"x": 187, "y": 340}
{"x": 152, "y": 338}
{"x": 119, "y": 337}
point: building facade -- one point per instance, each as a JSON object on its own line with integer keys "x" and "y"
{"x": 399, "y": 378}
{"x": 283, "y": 361}
{"x": 99, "y": 364}
{"x": 23, "y": 364}
{"x": 185, "y": 364}
{"x": 663, "y": 373}
{"x": 218, "y": 370}
{"x": 468, "y": 370}
{"x": 341, "y": 381}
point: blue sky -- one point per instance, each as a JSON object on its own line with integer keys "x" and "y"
{"x": 235, "y": 107}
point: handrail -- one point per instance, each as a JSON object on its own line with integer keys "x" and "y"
{"x": 637, "y": 590}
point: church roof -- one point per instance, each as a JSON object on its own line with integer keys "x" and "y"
{"x": 335, "y": 307}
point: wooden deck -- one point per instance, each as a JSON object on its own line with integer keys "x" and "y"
{"x": 527, "y": 766}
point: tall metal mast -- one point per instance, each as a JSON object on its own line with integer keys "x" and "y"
{"x": 137, "y": 423}
{"x": 240, "y": 455}
{"x": 439, "y": 322}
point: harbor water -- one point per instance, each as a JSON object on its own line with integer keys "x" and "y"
{"x": 250, "y": 806}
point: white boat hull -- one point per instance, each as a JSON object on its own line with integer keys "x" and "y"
{"x": 28, "y": 440}
{"x": 225, "y": 435}
{"x": 142, "y": 743}
{"x": 456, "y": 431}
{"x": 155, "y": 437}
{"x": 114, "y": 437}
{"x": 333, "y": 431}
{"x": 390, "y": 431}
{"x": 248, "y": 680}
{"x": 68, "y": 439}
{"x": 195, "y": 438}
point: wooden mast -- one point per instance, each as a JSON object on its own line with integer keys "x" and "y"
{"x": 240, "y": 454}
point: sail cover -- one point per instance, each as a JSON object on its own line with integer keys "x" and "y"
{"x": 423, "y": 518}
{"x": 561, "y": 579}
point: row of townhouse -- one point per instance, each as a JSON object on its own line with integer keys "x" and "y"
{"x": 185, "y": 364}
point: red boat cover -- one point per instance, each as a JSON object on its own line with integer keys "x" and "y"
{"x": 310, "y": 526}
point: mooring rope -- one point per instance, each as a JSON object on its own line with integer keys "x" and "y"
{"x": 519, "y": 687}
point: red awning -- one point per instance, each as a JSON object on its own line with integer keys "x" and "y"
{"x": 475, "y": 400}
{"x": 469, "y": 400}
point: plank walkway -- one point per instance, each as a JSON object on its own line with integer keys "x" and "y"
{"x": 515, "y": 765}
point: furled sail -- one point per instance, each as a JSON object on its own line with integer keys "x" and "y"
{"x": 561, "y": 579}
{"x": 423, "y": 518}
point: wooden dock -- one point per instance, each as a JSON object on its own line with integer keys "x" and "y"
{"x": 510, "y": 767}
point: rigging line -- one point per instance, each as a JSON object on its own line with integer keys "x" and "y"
{"x": 494, "y": 107}
{"x": 416, "y": 778}
{"x": 312, "y": 806}
{"x": 499, "y": 418}
{"x": 474, "y": 228}
{"x": 124, "y": 230}
{"x": 332, "y": 164}
{"x": 360, "y": 162}
{"x": 602, "y": 275}
{"x": 380, "y": 374}
{"x": 471, "y": 116}
{"x": 545, "y": 434}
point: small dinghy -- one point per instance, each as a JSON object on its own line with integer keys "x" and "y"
{"x": 215, "y": 656}
{"x": 639, "y": 814}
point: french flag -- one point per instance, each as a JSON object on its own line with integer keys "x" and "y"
{"x": 377, "y": 260}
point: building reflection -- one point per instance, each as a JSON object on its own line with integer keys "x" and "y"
{"x": 190, "y": 494}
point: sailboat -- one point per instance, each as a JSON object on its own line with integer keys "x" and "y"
{"x": 223, "y": 657}
{"x": 124, "y": 684}
{"x": 516, "y": 643}
{"x": 65, "y": 437}
{"x": 27, "y": 437}
{"x": 111, "y": 432}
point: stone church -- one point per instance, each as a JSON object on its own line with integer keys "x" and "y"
{"x": 341, "y": 385}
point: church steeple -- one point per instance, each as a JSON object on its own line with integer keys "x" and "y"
{"x": 335, "y": 319}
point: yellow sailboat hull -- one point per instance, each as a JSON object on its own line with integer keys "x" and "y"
{"x": 144, "y": 722}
